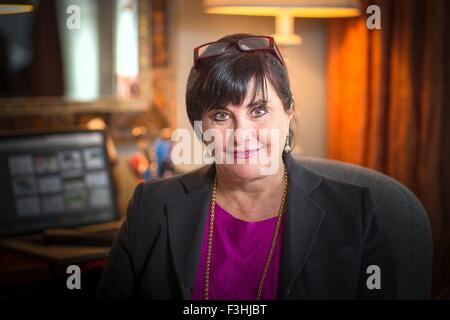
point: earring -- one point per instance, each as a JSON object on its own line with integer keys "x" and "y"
{"x": 287, "y": 145}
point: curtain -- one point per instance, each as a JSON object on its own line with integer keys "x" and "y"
{"x": 389, "y": 107}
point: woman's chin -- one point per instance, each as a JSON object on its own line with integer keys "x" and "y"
{"x": 244, "y": 171}
{"x": 250, "y": 167}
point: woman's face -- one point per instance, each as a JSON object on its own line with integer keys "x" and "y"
{"x": 251, "y": 135}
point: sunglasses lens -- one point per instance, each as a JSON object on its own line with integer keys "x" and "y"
{"x": 212, "y": 49}
{"x": 254, "y": 43}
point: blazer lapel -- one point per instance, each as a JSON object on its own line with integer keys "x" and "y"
{"x": 302, "y": 221}
{"x": 186, "y": 218}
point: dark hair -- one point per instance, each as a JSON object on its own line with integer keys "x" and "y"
{"x": 223, "y": 80}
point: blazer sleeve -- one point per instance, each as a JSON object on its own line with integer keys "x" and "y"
{"x": 377, "y": 274}
{"x": 118, "y": 278}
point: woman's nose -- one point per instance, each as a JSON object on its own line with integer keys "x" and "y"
{"x": 244, "y": 134}
{"x": 242, "y": 123}
{"x": 243, "y": 131}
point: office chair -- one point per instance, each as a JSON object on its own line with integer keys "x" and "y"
{"x": 402, "y": 216}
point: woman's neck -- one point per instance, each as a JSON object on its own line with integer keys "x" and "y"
{"x": 250, "y": 200}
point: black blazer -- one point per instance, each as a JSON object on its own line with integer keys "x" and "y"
{"x": 330, "y": 238}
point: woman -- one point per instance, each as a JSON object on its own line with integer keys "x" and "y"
{"x": 231, "y": 230}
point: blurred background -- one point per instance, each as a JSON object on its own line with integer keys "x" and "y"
{"x": 370, "y": 81}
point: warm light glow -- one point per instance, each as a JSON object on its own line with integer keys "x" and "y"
{"x": 15, "y": 8}
{"x": 307, "y": 12}
{"x": 285, "y": 11}
{"x": 293, "y": 8}
{"x": 285, "y": 31}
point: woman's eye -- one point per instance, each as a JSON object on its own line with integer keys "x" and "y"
{"x": 259, "y": 111}
{"x": 220, "y": 116}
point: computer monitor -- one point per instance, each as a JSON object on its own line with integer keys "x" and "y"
{"x": 55, "y": 180}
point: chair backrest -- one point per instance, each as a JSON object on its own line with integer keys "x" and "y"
{"x": 402, "y": 216}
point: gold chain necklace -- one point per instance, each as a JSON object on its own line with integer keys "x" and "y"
{"x": 272, "y": 247}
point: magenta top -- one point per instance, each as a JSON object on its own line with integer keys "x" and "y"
{"x": 239, "y": 253}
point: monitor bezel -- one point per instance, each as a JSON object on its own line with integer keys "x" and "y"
{"x": 7, "y": 231}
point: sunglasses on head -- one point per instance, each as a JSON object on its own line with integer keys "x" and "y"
{"x": 249, "y": 44}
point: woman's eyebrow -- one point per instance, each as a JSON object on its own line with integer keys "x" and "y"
{"x": 257, "y": 102}
{"x": 251, "y": 104}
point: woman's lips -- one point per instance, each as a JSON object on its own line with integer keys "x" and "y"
{"x": 246, "y": 153}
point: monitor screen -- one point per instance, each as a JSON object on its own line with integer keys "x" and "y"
{"x": 55, "y": 180}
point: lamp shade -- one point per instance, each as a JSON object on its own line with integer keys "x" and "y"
{"x": 293, "y": 8}
{"x": 15, "y": 6}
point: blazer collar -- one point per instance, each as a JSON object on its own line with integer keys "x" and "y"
{"x": 187, "y": 216}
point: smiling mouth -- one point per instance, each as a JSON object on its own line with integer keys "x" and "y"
{"x": 245, "y": 154}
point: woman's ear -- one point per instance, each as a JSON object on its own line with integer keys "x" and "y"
{"x": 291, "y": 115}
{"x": 291, "y": 108}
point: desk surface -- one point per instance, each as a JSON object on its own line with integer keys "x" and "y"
{"x": 28, "y": 269}
{"x": 25, "y": 276}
